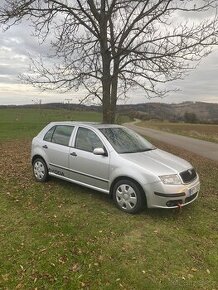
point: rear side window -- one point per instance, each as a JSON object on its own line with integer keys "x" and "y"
{"x": 59, "y": 134}
{"x": 49, "y": 134}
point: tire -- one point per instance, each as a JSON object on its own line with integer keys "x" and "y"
{"x": 40, "y": 170}
{"x": 128, "y": 196}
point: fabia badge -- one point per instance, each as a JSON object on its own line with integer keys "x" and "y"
{"x": 58, "y": 172}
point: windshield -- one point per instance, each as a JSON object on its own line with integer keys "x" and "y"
{"x": 124, "y": 140}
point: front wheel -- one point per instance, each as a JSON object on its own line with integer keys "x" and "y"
{"x": 40, "y": 170}
{"x": 128, "y": 196}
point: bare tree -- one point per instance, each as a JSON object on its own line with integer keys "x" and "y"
{"x": 110, "y": 46}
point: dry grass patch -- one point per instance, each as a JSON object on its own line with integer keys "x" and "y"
{"x": 199, "y": 131}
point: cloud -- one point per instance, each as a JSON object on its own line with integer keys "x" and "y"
{"x": 18, "y": 43}
{"x": 201, "y": 83}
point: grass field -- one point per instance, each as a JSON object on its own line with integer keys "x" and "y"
{"x": 200, "y": 131}
{"x": 61, "y": 236}
{"x": 20, "y": 123}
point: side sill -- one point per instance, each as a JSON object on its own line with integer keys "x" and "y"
{"x": 79, "y": 183}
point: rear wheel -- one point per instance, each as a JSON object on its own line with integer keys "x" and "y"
{"x": 40, "y": 170}
{"x": 128, "y": 196}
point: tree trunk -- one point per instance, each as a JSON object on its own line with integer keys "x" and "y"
{"x": 106, "y": 86}
{"x": 109, "y": 101}
{"x": 114, "y": 87}
{"x": 106, "y": 63}
{"x": 110, "y": 86}
{"x": 106, "y": 102}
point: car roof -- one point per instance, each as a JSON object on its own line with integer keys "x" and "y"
{"x": 87, "y": 124}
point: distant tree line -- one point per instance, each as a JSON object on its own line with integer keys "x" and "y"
{"x": 146, "y": 111}
{"x": 188, "y": 117}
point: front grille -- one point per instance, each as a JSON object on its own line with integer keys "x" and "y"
{"x": 190, "y": 198}
{"x": 188, "y": 175}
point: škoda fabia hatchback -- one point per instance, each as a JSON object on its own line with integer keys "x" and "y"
{"x": 114, "y": 160}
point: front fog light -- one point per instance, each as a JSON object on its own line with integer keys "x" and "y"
{"x": 170, "y": 179}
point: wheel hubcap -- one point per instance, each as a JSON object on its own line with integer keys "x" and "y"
{"x": 39, "y": 170}
{"x": 126, "y": 197}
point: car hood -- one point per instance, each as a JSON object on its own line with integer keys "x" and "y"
{"x": 158, "y": 161}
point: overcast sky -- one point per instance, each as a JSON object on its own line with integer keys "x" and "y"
{"x": 17, "y": 44}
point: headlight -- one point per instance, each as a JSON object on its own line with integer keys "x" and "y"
{"x": 170, "y": 179}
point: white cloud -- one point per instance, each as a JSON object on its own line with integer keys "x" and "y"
{"x": 17, "y": 44}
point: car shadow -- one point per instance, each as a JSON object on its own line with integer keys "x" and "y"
{"x": 154, "y": 213}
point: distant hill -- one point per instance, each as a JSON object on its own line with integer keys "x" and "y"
{"x": 204, "y": 112}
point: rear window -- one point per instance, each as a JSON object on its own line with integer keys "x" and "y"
{"x": 49, "y": 134}
{"x": 59, "y": 134}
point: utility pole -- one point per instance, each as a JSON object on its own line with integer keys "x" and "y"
{"x": 68, "y": 101}
{"x": 37, "y": 102}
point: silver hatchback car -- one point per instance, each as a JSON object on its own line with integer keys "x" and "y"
{"x": 114, "y": 160}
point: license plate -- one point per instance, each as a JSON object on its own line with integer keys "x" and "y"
{"x": 194, "y": 189}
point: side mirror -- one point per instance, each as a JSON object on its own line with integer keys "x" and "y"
{"x": 99, "y": 151}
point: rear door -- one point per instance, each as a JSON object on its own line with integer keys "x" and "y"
{"x": 56, "y": 147}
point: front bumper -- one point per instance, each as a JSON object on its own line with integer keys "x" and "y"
{"x": 172, "y": 196}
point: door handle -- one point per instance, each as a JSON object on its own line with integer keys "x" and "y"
{"x": 73, "y": 154}
{"x": 45, "y": 146}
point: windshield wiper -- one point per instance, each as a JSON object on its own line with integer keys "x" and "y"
{"x": 145, "y": 150}
{"x": 138, "y": 151}
{"x": 149, "y": 149}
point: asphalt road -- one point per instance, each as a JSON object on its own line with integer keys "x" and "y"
{"x": 200, "y": 147}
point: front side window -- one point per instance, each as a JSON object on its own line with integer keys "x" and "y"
{"x": 87, "y": 140}
{"x": 126, "y": 141}
{"x": 59, "y": 134}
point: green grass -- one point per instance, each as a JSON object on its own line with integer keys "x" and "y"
{"x": 205, "y": 132}
{"x": 17, "y": 123}
{"x": 58, "y": 235}
{"x": 20, "y": 123}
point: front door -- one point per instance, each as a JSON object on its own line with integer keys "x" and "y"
{"x": 86, "y": 167}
